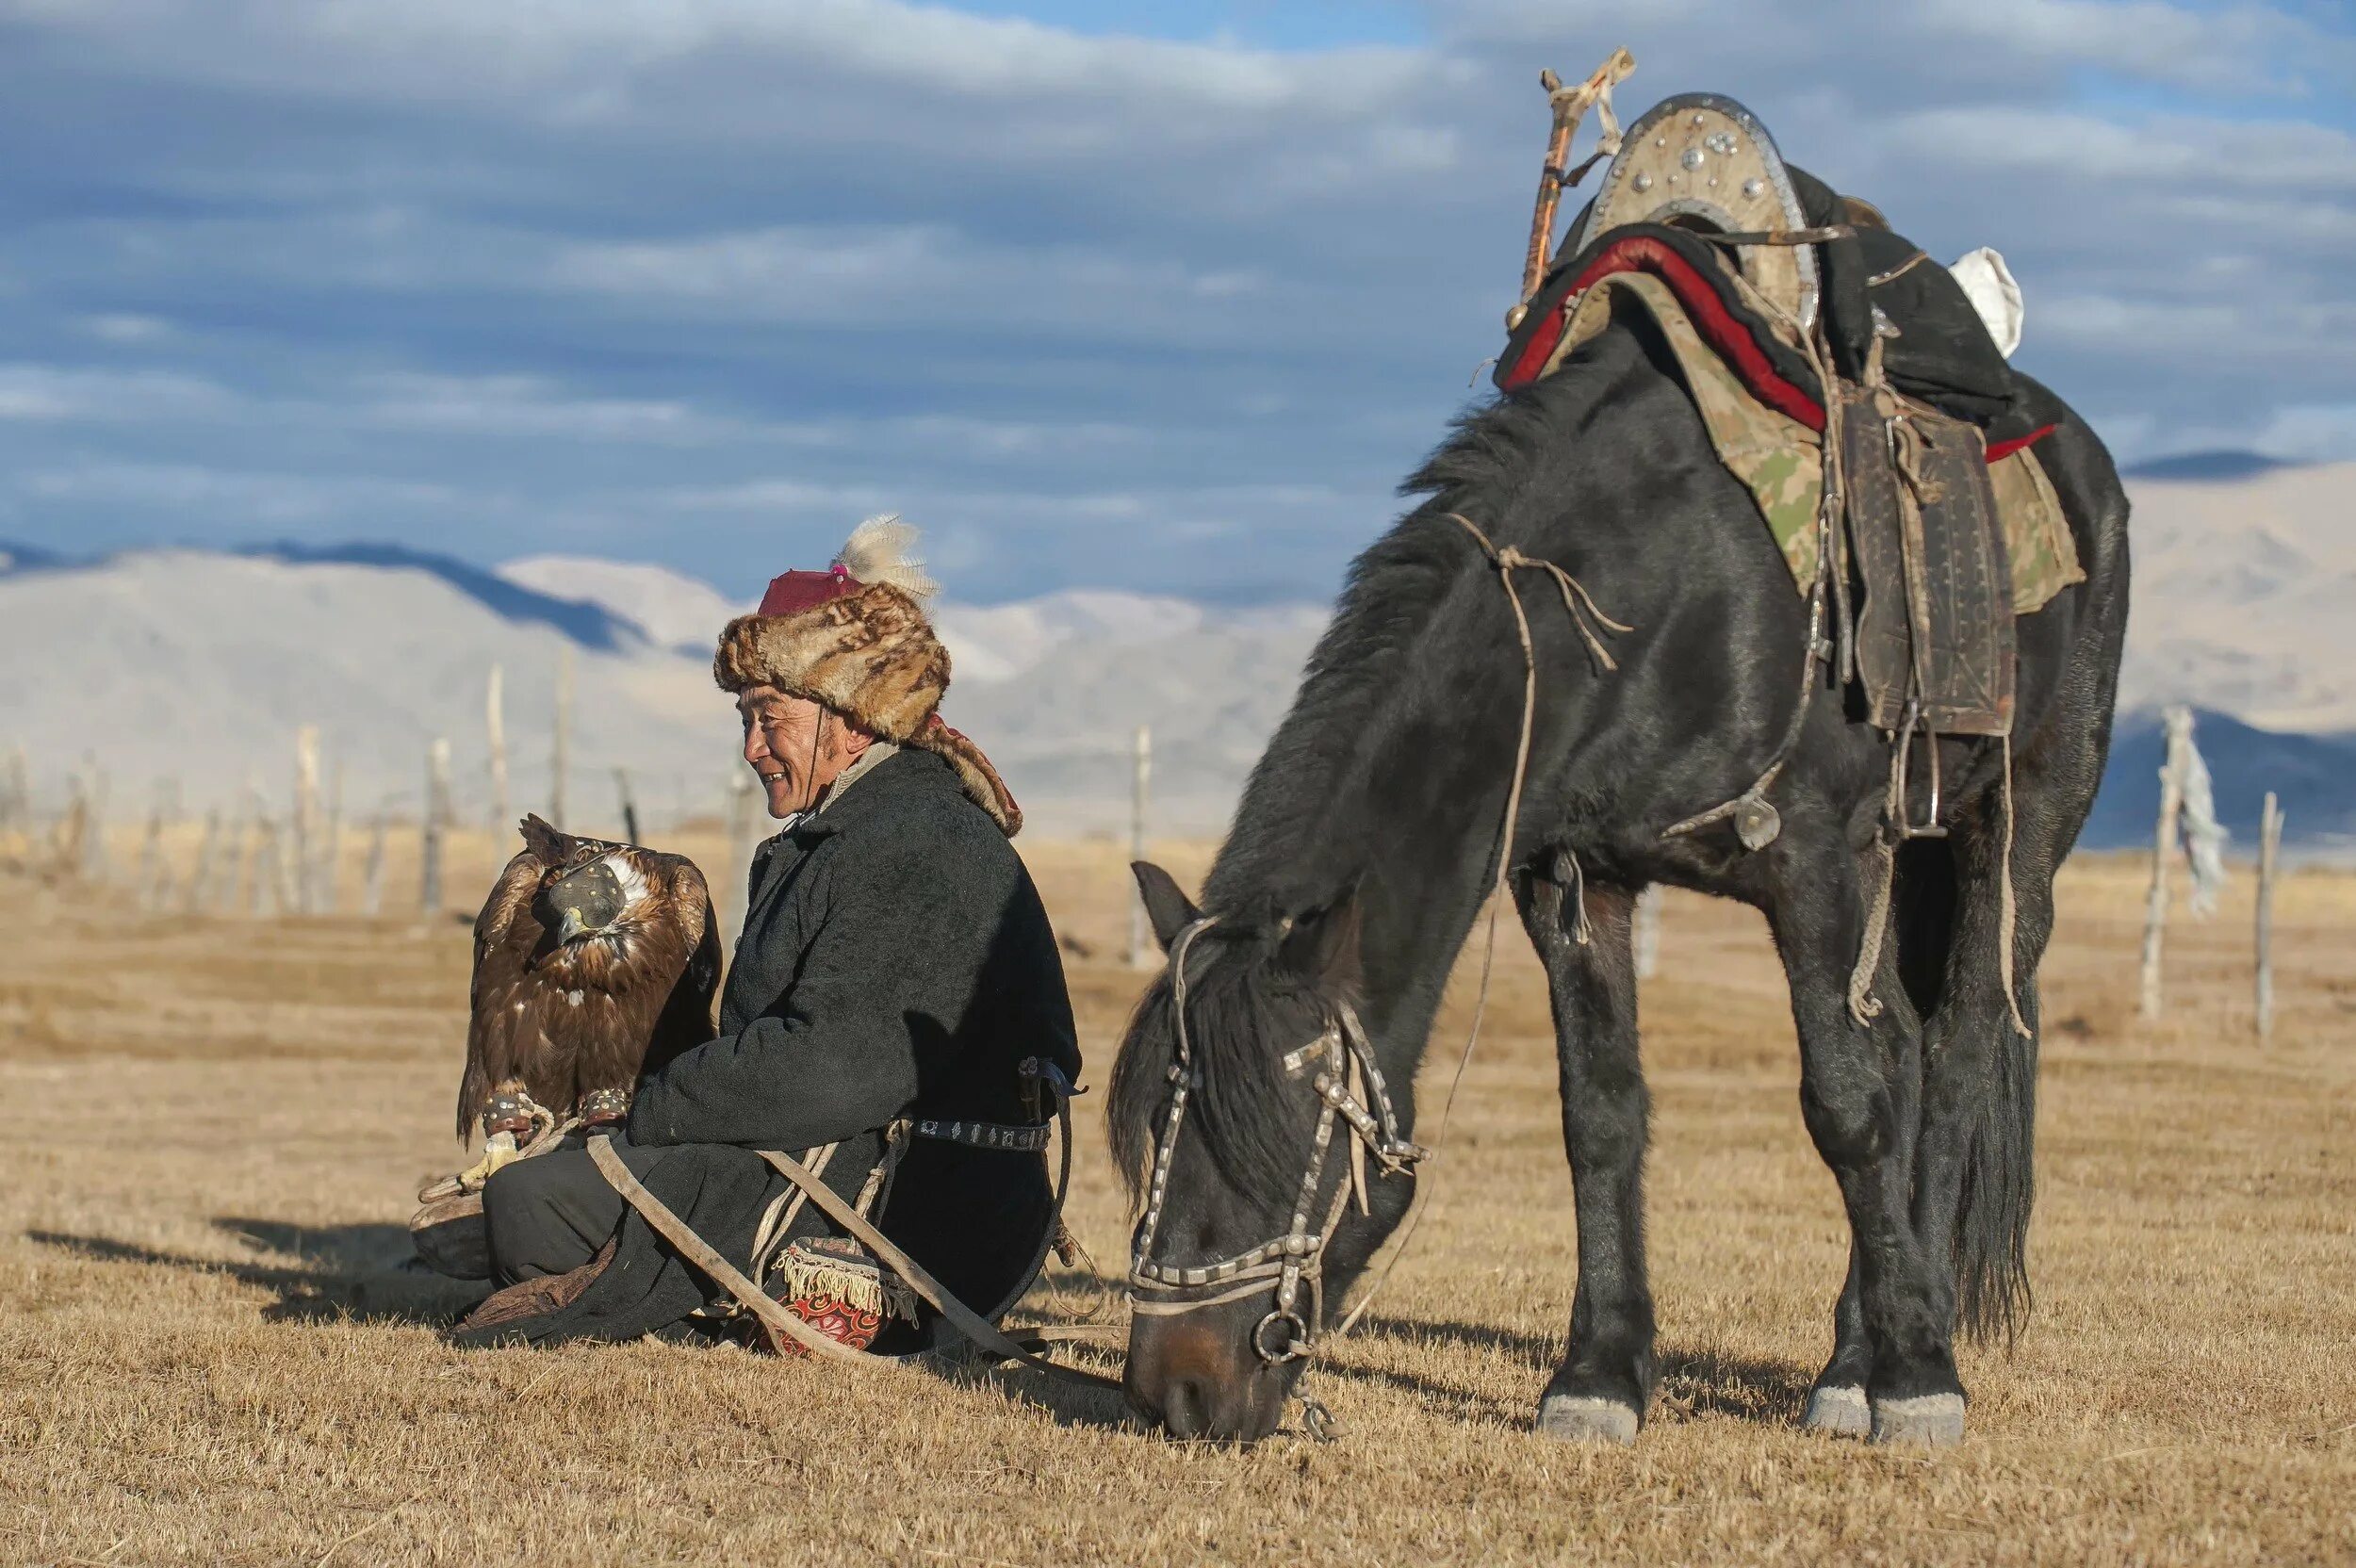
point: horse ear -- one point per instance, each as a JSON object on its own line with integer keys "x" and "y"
{"x": 1322, "y": 948}
{"x": 1167, "y": 909}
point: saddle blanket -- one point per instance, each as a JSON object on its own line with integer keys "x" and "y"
{"x": 1777, "y": 450}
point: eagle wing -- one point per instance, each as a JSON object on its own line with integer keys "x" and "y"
{"x": 686, "y": 1021}
{"x": 658, "y": 998}
{"x": 500, "y": 1032}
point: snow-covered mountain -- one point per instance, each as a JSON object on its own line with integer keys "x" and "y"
{"x": 675, "y": 611}
{"x": 2245, "y": 597}
{"x": 189, "y": 672}
{"x": 198, "y": 666}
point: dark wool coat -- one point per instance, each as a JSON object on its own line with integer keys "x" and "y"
{"x": 895, "y": 961}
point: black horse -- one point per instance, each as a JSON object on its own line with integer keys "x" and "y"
{"x": 1364, "y": 844}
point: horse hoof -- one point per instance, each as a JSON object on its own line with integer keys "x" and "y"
{"x": 1573, "y": 1418}
{"x": 1841, "y": 1411}
{"x": 1933, "y": 1420}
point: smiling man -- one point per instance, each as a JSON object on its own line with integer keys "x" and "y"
{"x": 895, "y": 1013}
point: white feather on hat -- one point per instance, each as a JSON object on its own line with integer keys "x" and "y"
{"x": 878, "y": 551}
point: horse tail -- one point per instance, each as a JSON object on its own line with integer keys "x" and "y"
{"x": 1992, "y": 1296}
{"x": 1997, "y": 1123}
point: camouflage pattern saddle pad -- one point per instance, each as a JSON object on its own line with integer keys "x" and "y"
{"x": 1781, "y": 461}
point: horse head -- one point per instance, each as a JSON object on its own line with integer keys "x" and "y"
{"x": 1245, "y": 1105}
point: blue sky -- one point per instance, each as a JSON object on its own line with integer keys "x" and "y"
{"x": 1164, "y": 296}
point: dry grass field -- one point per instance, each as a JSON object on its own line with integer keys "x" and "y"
{"x": 210, "y": 1352}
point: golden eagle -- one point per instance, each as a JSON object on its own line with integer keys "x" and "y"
{"x": 595, "y": 964}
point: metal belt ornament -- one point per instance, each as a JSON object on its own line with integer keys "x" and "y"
{"x": 1350, "y": 1092}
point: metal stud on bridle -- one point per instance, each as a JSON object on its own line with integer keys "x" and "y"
{"x": 1350, "y": 1092}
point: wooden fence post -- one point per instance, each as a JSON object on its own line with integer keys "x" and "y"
{"x": 305, "y": 833}
{"x": 1140, "y": 780}
{"x": 739, "y": 853}
{"x": 629, "y": 807}
{"x": 2164, "y": 850}
{"x": 331, "y": 858}
{"x": 92, "y": 847}
{"x": 152, "y": 857}
{"x": 266, "y": 870}
{"x": 372, "y": 880}
{"x": 200, "y": 894}
{"x": 2269, "y": 854}
{"x": 286, "y": 872}
{"x": 494, "y": 719}
{"x": 560, "y": 744}
{"x": 1645, "y": 936}
{"x": 16, "y": 800}
{"x": 436, "y": 811}
{"x": 233, "y": 887}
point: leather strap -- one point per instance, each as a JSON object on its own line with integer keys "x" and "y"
{"x": 671, "y": 1227}
{"x": 1824, "y": 235}
{"x": 986, "y": 1134}
{"x": 759, "y": 1302}
{"x": 961, "y": 1317}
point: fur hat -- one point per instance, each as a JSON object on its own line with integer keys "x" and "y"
{"x": 856, "y": 639}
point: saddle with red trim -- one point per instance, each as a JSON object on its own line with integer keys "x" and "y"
{"x": 1941, "y": 354}
{"x": 1927, "y": 401}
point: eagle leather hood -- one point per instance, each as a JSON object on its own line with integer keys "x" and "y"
{"x": 855, "y": 639}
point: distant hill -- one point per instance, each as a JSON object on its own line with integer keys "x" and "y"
{"x": 2206, "y": 466}
{"x": 670, "y": 609}
{"x": 2244, "y": 598}
{"x": 25, "y": 558}
{"x": 200, "y": 665}
{"x": 589, "y": 623}
{"x": 2314, "y": 776}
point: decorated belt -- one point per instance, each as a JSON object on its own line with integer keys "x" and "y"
{"x": 986, "y": 1134}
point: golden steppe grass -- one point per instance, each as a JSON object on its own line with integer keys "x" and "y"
{"x": 210, "y": 1352}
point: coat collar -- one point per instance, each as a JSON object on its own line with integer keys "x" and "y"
{"x": 878, "y": 786}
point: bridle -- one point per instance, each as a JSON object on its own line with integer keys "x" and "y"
{"x": 1350, "y": 1093}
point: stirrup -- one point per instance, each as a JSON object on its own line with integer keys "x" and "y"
{"x": 1908, "y": 828}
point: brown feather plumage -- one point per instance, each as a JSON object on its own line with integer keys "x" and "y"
{"x": 564, "y": 1020}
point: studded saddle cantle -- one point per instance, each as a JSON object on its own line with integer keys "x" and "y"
{"x": 1699, "y": 161}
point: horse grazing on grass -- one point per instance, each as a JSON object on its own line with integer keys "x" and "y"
{"x": 1365, "y": 841}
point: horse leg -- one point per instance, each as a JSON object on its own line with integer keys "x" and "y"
{"x": 1922, "y": 898}
{"x": 1853, "y": 1096}
{"x": 1606, "y": 1380}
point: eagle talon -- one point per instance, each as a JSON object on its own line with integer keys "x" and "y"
{"x": 498, "y": 1151}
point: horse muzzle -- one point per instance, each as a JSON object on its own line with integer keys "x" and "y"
{"x": 1195, "y": 1379}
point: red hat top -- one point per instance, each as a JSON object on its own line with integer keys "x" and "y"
{"x": 795, "y": 592}
{"x": 872, "y": 554}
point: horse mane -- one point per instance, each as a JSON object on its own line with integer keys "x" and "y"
{"x": 1287, "y": 851}
{"x": 1243, "y": 1012}
{"x": 1367, "y": 666}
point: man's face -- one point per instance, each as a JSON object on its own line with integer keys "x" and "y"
{"x": 795, "y": 747}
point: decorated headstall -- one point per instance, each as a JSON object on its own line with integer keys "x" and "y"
{"x": 1341, "y": 1069}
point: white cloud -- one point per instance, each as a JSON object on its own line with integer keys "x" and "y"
{"x": 65, "y": 394}
{"x": 686, "y": 273}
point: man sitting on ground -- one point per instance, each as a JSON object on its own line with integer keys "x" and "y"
{"x": 895, "y": 1013}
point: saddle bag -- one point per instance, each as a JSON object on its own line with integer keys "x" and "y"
{"x": 1936, "y": 640}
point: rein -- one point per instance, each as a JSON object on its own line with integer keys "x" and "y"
{"x": 1287, "y": 1261}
